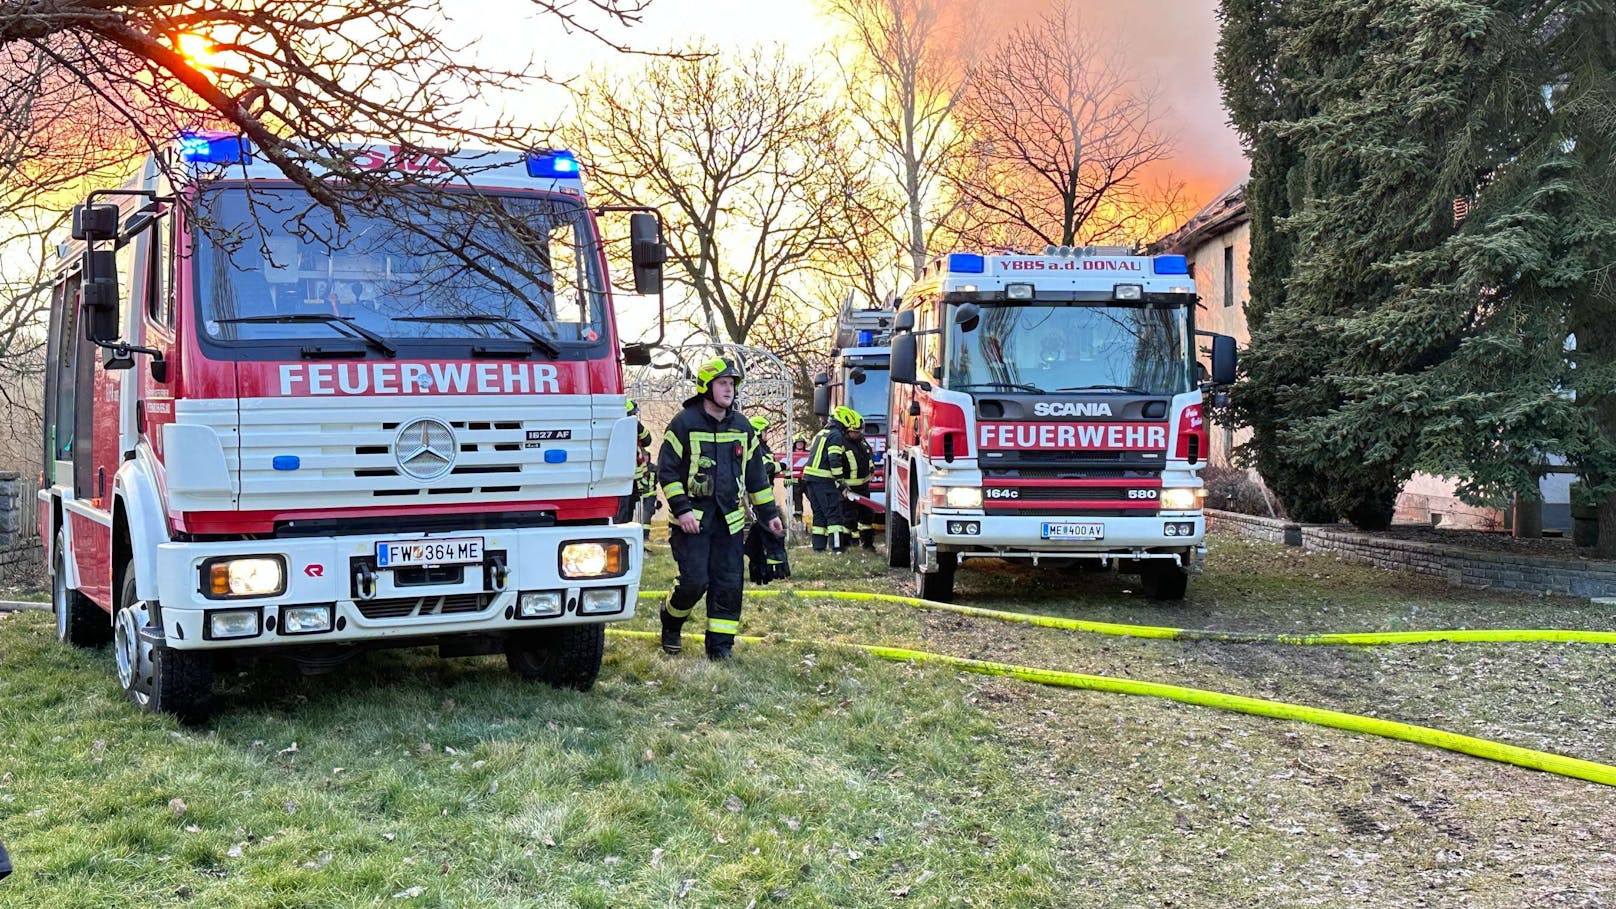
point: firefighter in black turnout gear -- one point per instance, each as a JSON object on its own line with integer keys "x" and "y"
{"x": 826, "y": 475}
{"x": 766, "y": 555}
{"x": 644, "y": 482}
{"x": 861, "y": 459}
{"x": 708, "y": 461}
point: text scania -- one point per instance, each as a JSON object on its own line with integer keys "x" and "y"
{"x": 418, "y": 378}
{"x": 1072, "y": 409}
{"x": 1076, "y": 436}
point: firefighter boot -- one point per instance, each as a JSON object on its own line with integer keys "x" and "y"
{"x": 819, "y": 540}
{"x": 671, "y": 642}
{"x": 867, "y": 539}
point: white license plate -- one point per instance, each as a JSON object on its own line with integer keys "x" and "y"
{"x": 1074, "y": 531}
{"x": 445, "y": 551}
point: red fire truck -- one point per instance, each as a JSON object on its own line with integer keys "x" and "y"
{"x": 1050, "y": 408}
{"x": 859, "y": 379}
{"x": 268, "y": 429}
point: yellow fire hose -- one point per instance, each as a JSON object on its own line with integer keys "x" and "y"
{"x": 1549, "y": 762}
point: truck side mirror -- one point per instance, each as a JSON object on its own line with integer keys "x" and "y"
{"x": 903, "y": 358}
{"x": 100, "y": 294}
{"x": 968, "y": 316}
{"x": 822, "y": 379}
{"x": 904, "y": 321}
{"x": 636, "y": 355}
{"x": 1224, "y": 360}
{"x": 95, "y": 222}
{"x": 821, "y": 400}
{"x": 647, "y": 252}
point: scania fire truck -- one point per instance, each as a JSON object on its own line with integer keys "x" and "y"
{"x": 859, "y": 378}
{"x": 274, "y": 430}
{"x": 1049, "y": 407}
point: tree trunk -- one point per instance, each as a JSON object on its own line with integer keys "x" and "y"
{"x": 1528, "y": 521}
{"x": 1607, "y": 528}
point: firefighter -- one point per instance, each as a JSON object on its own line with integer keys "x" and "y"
{"x": 644, "y": 481}
{"x": 766, "y": 552}
{"x": 826, "y": 475}
{"x": 861, "y": 464}
{"x": 708, "y": 461}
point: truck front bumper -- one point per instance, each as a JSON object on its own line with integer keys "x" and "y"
{"x": 1020, "y": 536}
{"x": 330, "y": 573}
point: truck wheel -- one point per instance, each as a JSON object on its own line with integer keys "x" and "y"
{"x": 1162, "y": 579}
{"x": 938, "y": 584}
{"x": 78, "y": 620}
{"x": 897, "y": 534}
{"x": 176, "y": 682}
{"x": 564, "y": 657}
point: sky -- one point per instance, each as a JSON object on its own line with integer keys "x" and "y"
{"x": 1172, "y": 42}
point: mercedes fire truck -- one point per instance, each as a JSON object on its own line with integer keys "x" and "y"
{"x": 859, "y": 378}
{"x": 1049, "y": 407}
{"x": 271, "y": 430}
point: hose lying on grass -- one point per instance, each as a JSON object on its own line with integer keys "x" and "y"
{"x": 1348, "y": 638}
{"x": 1548, "y": 762}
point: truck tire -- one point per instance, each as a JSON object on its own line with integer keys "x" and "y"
{"x": 937, "y": 585}
{"x": 78, "y": 620}
{"x": 159, "y": 680}
{"x": 897, "y": 534}
{"x": 568, "y": 656}
{"x": 1162, "y": 579}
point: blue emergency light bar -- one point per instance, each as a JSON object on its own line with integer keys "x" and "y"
{"x": 214, "y": 148}
{"x": 866, "y": 338}
{"x": 1172, "y": 265}
{"x": 966, "y": 263}
{"x": 557, "y": 164}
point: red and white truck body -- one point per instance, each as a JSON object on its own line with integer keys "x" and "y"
{"x": 1049, "y": 408}
{"x": 339, "y": 434}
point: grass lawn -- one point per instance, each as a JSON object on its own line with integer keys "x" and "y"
{"x": 812, "y": 776}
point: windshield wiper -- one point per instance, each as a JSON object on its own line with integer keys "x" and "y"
{"x": 1020, "y": 386}
{"x": 539, "y": 341}
{"x": 370, "y": 337}
{"x": 1130, "y": 389}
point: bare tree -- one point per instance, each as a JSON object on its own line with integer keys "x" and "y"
{"x": 1062, "y": 136}
{"x": 906, "y": 76}
{"x": 743, "y": 159}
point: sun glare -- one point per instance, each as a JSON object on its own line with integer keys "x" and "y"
{"x": 197, "y": 50}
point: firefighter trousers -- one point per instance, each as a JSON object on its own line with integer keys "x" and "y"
{"x": 864, "y": 516}
{"x": 711, "y": 563}
{"x": 830, "y": 514}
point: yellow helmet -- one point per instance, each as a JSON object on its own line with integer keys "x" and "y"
{"x": 631, "y": 407}
{"x": 760, "y": 424}
{"x": 848, "y": 417}
{"x": 716, "y": 368}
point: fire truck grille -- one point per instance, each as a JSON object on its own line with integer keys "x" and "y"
{"x": 1076, "y": 512}
{"x": 1072, "y": 473}
{"x": 345, "y": 454}
{"x": 407, "y": 607}
{"x": 1071, "y": 493}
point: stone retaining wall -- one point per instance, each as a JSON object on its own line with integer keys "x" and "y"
{"x": 1468, "y": 567}
{"x": 1273, "y": 530}
{"x": 1456, "y": 565}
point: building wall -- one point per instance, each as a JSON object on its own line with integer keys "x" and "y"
{"x": 1209, "y": 261}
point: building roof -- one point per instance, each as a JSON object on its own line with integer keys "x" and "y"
{"x": 1221, "y": 215}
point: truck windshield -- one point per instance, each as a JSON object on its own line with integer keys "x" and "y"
{"x": 869, "y": 397}
{"x": 421, "y": 265}
{"x": 1036, "y": 348}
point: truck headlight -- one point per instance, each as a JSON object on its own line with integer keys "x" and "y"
{"x": 594, "y": 559}
{"x": 243, "y": 576}
{"x": 600, "y": 601}
{"x": 305, "y": 619}
{"x": 956, "y": 496}
{"x": 232, "y": 623}
{"x": 539, "y": 604}
{"x": 1181, "y": 499}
